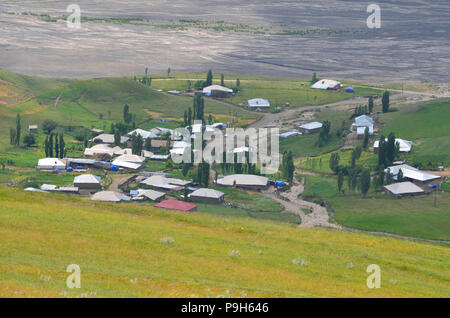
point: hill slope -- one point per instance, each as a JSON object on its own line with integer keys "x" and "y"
{"x": 120, "y": 252}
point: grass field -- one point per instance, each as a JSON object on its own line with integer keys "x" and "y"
{"x": 409, "y": 216}
{"x": 427, "y": 125}
{"x": 120, "y": 253}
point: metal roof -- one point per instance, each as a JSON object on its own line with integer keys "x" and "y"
{"x": 144, "y": 133}
{"x": 207, "y": 193}
{"x": 404, "y": 145}
{"x": 312, "y": 125}
{"x": 258, "y": 102}
{"x": 87, "y": 178}
{"x": 326, "y": 84}
{"x": 403, "y": 188}
{"x": 110, "y": 196}
{"x": 411, "y": 173}
{"x": 208, "y": 89}
{"x": 243, "y": 180}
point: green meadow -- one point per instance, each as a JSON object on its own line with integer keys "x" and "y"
{"x": 123, "y": 251}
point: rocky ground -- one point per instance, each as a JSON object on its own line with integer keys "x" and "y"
{"x": 412, "y": 43}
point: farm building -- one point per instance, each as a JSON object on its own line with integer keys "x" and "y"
{"x": 73, "y": 190}
{"x": 87, "y": 181}
{"x": 48, "y": 187}
{"x": 96, "y": 131}
{"x": 127, "y": 164}
{"x": 404, "y": 145}
{"x": 158, "y": 180}
{"x": 157, "y": 144}
{"x": 411, "y": 174}
{"x": 50, "y": 164}
{"x": 80, "y": 163}
{"x": 360, "y": 131}
{"x": 110, "y": 196}
{"x": 131, "y": 158}
{"x": 108, "y": 139}
{"x": 258, "y": 103}
{"x": 217, "y": 91}
{"x": 32, "y": 128}
{"x": 289, "y": 134}
{"x": 310, "y": 128}
{"x": 403, "y": 189}
{"x": 99, "y": 150}
{"x": 247, "y": 181}
{"x": 177, "y": 205}
{"x": 143, "y": 133}
{"x": 327, "y": 84}
{"x": 205, "y": 195}
{"x": 152, "y": 195}
{"x": 360, "y": 124}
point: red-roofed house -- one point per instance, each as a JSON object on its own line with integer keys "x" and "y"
{"x": 177, "y": 205}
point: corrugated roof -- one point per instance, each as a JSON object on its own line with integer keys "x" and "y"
{"x": 404, "y": 145}
{"x": 258, "y": 102}
{"x": 150, "y": 194}
{"x": 325, "y": 84}
{"x": 127, "y": 164}
{"x": 403, "y": 188}
{"x": 208, "y": 89}
{"x": 312, "y": 125}
{"x": 110, "y": 196}
{"x": 363, "y": 120}
{"x": 207, "y": 193}
{"x": 411, "y": 173}
{"x": 87, "y": 178}
{"x": 243, "y": 180}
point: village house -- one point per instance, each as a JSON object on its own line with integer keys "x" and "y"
{"x": 411, "y": 174}
{"x": 402, "y": 189}
{"x": 108, "y": 139}
{"x": 246, "y": 181}
{"x": 147, "y": 194}
{"x": 205, "y": 195}
{"x": 310, "y": 128}
{"x": 217, "y": 91}
{"x": 258, "y": 103}
{"x": 51, "y": 164}
{"x": 87, "y": 181}
{"x": 110, "y": 196}
{"x": 327, "y": 84}
{"x": 32, "y": 129}
{"x": 404, "y": 145}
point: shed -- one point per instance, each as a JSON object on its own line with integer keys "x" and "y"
{"x": 206, "y": 195}
{"x": 248, "y": 181}
{"x": 403, "y": 189}
{"x": 310, "y": 128}
{"x": 110, "y": 196}
{"x": 87, "y": 181}
{"x": 327, "y": 84}
{"x": 50, "y": 164}
{"x": 258, "y": 102}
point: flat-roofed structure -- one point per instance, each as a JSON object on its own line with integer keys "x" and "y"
{"x": 247, "y": 181}
{"x": 206, "y": 195}
{"x": 402, "y": 189}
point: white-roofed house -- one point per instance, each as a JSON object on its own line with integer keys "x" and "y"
{"x": 360, "y": 124}
{"x": 108, "y": 139}
{"x": 411, "y": 174}
{"x": 217, "y": 91}
{"x": 143, "y": 133}
{"x": 110, "y": 196}
{"x": 50, "y": 164}
{"x": 403, "y": 189}
{"x": 290, "y": 134}
{"x": 310, "y": 128}
{"x": 258, "y": 103}
{"x": 206, "y": 195}
{"x": 247, "y": 181}
{"x": 87, "y": 181}
{"x": 404, "y": 145}
{"x": 148, "y": 194}
{"x": 327, "y": 84}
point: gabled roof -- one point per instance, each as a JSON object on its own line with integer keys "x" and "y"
{"x": 326, "y": 84}
{"x": 150, "y": 194}
{"x": 110, "y": 196}
{"x": 403, "y": 188}
{"x": 144, "y": 133}
{"x": 404, "y": 145}
{"x": 362, "y": 130}
{"x": 176, "y": 205}
{"x": 87, "y": 178}
{"x": 131, "y": 158}
{"x": 363, "y": 120}
{"x": 157, "y": 180}
{"x": 312, "y": 125}
{"x": 207, "y": 193}
{"x": 109, "y": 139}
{"x": 127, "y": 164}
{"x": 208, "y": 89}
{"x": 411, "y": 173}
{"x": 243, "y": 180}
{"x": 258, "y": 102}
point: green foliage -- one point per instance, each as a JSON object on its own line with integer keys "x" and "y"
{"x": 49, "y": 125}
{"x": 385, "y": 102}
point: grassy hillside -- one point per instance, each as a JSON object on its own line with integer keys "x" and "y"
{"x": 413, "y": 216}
{"x": 120, "y": 252}
{"x": 427, "y": 124}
